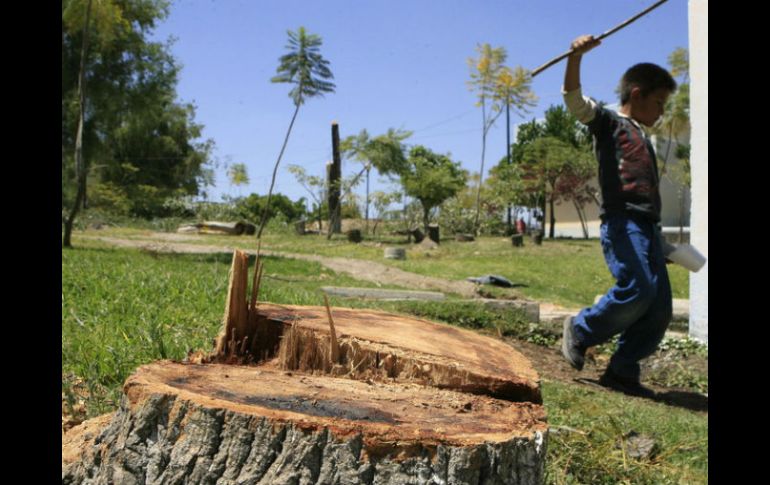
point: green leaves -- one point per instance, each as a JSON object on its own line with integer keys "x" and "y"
{"x": 139, "y": 135}
{"x": 513, "y": 88}
{"x": 305, "y": 67}
{"x": 384, "y": 152}
{"x": 485, "y": 70}
{"x": 238, "y": 174}
{"x": 432, "y": 178}
{"x": 106, "y": 19}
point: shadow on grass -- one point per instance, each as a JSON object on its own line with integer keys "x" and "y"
{"x": 693, "y": 401}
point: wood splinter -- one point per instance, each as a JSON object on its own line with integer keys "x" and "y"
{"x": 335, "y": 348}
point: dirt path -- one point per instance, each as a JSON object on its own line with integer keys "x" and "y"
{"x": 359, "y": 269}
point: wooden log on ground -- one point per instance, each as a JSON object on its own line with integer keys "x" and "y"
{"x": 318, "y": 394}
{"x": 217, "y": 227}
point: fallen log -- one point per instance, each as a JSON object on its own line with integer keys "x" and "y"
{"x": 217, "y": 227}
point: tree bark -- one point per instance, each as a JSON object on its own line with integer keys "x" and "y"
{"x": 186, "y": 423}
{"x": 335, "y": 178}
{"x": 553, "y": 218}
{"x": 366, "y": 228}
{"x": 481, "y": 170}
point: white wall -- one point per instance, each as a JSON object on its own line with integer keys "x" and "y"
{"x": 699, "y": 282}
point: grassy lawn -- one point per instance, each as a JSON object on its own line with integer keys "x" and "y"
{"x": 123, "y": 308}
{"x": 568, "y": 272}
{"x": 590, "y": 425}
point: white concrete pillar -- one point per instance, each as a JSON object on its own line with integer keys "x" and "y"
{"x": 699, "y": 141}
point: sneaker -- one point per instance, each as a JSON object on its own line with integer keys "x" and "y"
{"x": 626, "y": 385}
{"x": 574, "y": 353}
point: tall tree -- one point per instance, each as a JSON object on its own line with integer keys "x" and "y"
{"x": 485, "y": 70}
{"x": 139, "y": 146}
{"x": 513, "y": 90}
{"x": 305, "y": 68}
{"x": 431, "y": 178}
{"x": 77, "y": 16}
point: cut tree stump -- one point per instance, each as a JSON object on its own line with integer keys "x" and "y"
{"x": 318, "y": 394}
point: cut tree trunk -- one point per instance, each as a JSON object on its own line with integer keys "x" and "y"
{"x": 313, "y": 394}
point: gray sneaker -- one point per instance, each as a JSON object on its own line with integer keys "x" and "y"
{"x": 574, "y": 353}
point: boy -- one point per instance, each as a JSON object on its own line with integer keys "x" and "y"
{"x": 639, "y": 306}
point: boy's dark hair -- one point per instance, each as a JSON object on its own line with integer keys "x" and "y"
{"x": 648, "y": 77}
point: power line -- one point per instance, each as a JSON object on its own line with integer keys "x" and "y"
{"x": 444, "y": 121}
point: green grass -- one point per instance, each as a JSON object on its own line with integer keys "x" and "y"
{"x": 124, "y": 308}
{"x": 586, "y": 450}
{"x": 569, "y": 272}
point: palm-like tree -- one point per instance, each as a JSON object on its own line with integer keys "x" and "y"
{"x": 513, "y": 88}
{"x": 484, "y": 72}
{"x": 304, "y": 67}
{"x": 384, "y": 152}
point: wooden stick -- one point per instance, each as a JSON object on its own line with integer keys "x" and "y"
{"x": 606, "y": 34}
{"x": 335, "y": 348}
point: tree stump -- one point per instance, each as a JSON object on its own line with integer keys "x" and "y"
{"x": 433, "y": 233}
{"x": 354, "y": 235}
{"x": 313, "y": 394}
{"x": 394, "y": 253}
{"x": 517, "y": 240}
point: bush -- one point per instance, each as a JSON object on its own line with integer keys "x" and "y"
{"x": 109, "y": 198}
{"x": 216, "y": 211}
{"x": 250, "y": 208}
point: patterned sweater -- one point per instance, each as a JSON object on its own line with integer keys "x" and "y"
{"x": 628, "y": 169}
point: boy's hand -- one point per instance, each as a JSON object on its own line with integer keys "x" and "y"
{"x": 583, "y": 44}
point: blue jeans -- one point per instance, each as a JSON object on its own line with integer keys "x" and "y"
{"x": 639, "y": 306}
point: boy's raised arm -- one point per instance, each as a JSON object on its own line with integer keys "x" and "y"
{"x": 581, "y": 108}
{"x": 581, "y": 45}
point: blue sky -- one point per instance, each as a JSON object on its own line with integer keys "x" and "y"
{"x": 396, "y": 63}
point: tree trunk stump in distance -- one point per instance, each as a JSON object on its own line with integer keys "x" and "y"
{"x": 354, "y": 235}
{"x": 433, "y": 233}
{"x": 312, "y": 394}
